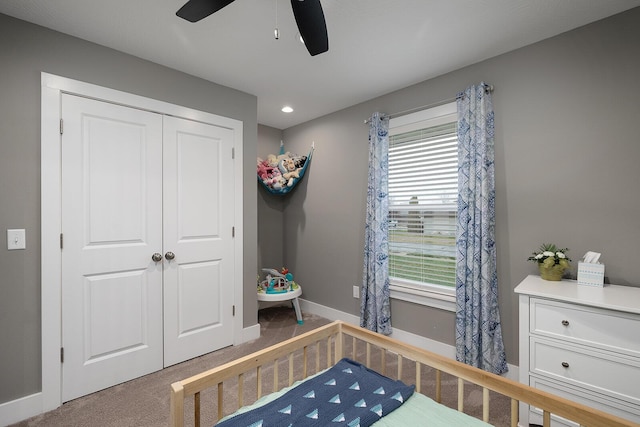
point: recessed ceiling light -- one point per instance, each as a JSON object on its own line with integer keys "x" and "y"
{"x": 287, "y": 109}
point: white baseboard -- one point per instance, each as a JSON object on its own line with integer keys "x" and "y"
{"x": 248, "y": 334}
{"x": 404, "y": 336}
{"x": 20, "y": 409}
{"x": 328, "y": 312}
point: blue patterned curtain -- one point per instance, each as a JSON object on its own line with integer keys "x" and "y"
{"x": 478, "y": 332}
{"x": 375, "y": 313}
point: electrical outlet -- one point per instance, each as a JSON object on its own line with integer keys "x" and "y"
{"x": 356, "y": 291}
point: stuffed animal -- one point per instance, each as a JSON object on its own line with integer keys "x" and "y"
{"x": 265, "y": 171}
{"x": 272, "y": 160}
{"x": 284, "y": 156}
{"x": 300, "y": 161}
{"x": 277, "y": 182}
{"x": 288, "y": 170}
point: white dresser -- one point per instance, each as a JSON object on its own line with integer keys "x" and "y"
{"x": 582, "y": 343}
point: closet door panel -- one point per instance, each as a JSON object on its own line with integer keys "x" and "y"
{"x": 198, "y": 243}
{"x": 111, "y": 226}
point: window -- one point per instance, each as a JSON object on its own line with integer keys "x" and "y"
{"x": 423, "y": 195}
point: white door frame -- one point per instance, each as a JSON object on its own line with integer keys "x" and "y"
{"x": 51, "y": 192}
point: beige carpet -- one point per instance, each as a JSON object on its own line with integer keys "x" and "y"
{"x": 145, "y": 401}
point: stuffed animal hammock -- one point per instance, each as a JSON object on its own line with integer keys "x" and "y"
{"x": 280, "y": 174}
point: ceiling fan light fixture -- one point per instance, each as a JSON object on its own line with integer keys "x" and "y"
{"x": 308, "y": 14}
{"x": 287, "y": 109}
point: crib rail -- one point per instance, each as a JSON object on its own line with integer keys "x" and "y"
{"x": 238, "y": 369}
{"x": 548, "y": 403}
{"x": 323, "y": 347}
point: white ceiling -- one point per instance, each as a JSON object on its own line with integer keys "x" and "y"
{"x": 375, "y": 46}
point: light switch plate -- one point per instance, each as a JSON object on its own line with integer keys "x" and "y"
{"x": 16, "y": 239}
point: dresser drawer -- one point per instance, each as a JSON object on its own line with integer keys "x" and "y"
{"x": 611, "y": 330}
{"x": 612, "y": 374}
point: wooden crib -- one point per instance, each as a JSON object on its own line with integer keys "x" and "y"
{"x": 308, "y": 353}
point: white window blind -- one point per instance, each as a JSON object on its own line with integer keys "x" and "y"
{"x": 423, "y": 191}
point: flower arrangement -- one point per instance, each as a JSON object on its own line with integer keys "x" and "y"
{"x": 551, "y": 261}
{"x": 550, "y": 255}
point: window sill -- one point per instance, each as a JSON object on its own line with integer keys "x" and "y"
{"x": 432, "y": 296}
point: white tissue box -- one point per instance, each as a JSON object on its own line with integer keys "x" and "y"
{"x": 590, "y": 274}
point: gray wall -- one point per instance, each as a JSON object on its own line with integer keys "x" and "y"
{"x": 270, "y": 208}
{"x": 567, "y": 154}
{"x": 25, "y": 51}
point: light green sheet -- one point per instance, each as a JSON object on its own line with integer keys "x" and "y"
{"x": 418, "y": 410}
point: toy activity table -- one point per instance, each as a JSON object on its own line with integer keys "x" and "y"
{"x": 285, "y": 296}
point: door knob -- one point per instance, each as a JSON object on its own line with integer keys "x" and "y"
{"x": 156, "y": 257}
{"x": 169, "y": 255}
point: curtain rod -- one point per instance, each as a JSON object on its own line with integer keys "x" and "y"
{"x": 488, "y": 88}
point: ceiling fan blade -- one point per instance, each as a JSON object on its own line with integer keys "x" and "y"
{"x": 311, "y": 24}
{"x": 195, "y": 10}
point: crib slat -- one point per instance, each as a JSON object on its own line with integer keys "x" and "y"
{"x": 368, "y": 355}
{"x": 329, "y": 364}
{"x": 220, "y": 400}
{"x": 399, "y": 367}
{"x": 438, "y": 386}
{"x": 196, "y": 409}
{"x": 317, "y": 356}
{"x": 240, "y": 390}
{"x": 275, "y": 376}
{"x": 383, "y": 361}
{"x": 304, "y": 362}
{"x": 259, "y": 381}
{"x": 460, "y": 395}
{"x": 290, "y": 369}
{"x": 514, "y": 412}
{"x": 485, "y": 404}
{"x": 353, "y": 350}
{"x": 418, "y": 375}
{"x": 546, "y": 419}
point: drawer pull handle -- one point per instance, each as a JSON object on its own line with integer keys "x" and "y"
{"x": 565, "y": 364}
{"x": 565, "y": 323}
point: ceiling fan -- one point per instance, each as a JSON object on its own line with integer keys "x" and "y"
{"x": 308, "y": 13}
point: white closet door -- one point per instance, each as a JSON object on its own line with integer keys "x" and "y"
{"x": 112, "y": 224}
{"x": 198, "y": 221}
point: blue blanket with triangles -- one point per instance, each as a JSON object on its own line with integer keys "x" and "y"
{"x": 347, "y": 394}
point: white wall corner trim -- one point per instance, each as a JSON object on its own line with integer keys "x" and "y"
{"x": 404, "y": 336}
